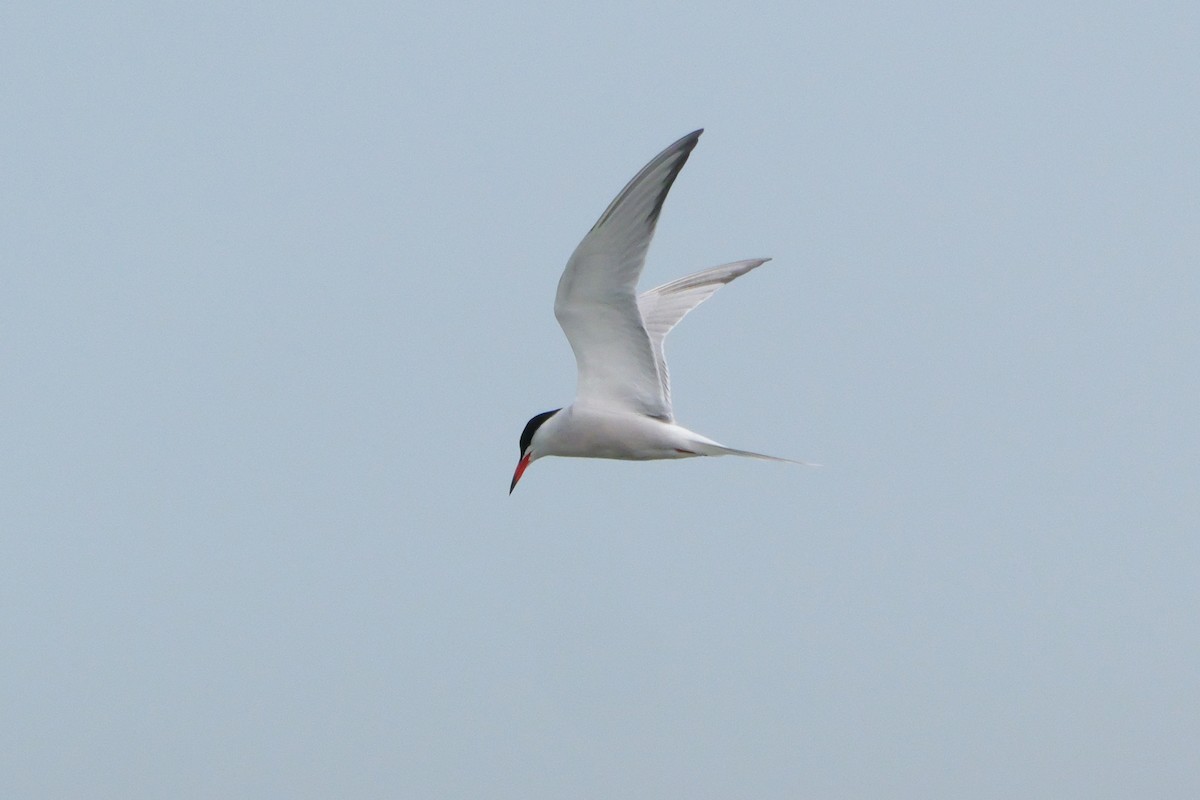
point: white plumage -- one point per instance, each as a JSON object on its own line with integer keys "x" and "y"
{"x": 622, "y": 407}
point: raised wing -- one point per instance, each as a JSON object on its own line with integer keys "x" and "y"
{"x": 597, "y": 303}
{"x": 663, "y": 306}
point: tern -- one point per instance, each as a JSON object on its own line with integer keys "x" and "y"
{"x": 622, "y": 407}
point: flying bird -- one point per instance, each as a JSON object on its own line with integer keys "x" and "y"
{"x": 622, "y": 407}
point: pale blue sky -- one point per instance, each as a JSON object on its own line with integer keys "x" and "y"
{"x": 276, "y": 303}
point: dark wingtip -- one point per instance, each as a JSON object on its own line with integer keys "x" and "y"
{"x": 683, "y": 148}
{"x": 679, "y": 150}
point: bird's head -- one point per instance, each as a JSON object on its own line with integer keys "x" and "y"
{"x": 529, "y": 451}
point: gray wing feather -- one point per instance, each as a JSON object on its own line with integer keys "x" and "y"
{"x": 597, "y": 304}
{"x": 663, "y": 306}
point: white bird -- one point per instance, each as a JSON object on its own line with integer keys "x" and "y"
{"x": 622, "y": 407}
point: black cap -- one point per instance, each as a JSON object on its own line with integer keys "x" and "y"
{"x": 532, "y": 426}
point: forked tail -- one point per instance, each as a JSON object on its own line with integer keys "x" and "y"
{"x": 714, "y": 449}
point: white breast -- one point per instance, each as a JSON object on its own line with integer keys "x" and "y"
{"x": 586, "y": 432}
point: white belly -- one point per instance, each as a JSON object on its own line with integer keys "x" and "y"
{"x": 592, "y": 433}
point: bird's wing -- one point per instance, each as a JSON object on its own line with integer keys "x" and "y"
{"x": 663, "y": 306}
{"x": 597, "y": 303}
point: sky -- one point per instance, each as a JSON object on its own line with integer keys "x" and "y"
{"x": 276, "y": 302}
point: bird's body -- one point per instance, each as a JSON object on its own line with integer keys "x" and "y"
{"x": 584, "y": 431}
{"x": 622, "y": 407}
